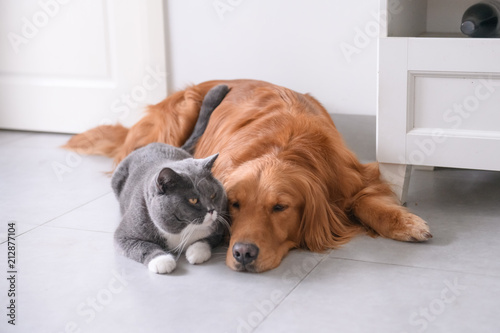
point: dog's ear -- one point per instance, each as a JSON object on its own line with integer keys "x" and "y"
{"x": 323, "y": 225}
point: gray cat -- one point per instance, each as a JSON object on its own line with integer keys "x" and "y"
{"x": 170, "y": 201}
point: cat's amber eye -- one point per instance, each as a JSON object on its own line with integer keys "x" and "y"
{"x": 193, "y": 201}
{"x": 212, "y": 196}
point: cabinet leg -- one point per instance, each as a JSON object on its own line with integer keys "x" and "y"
{"x": 398, "y": 176}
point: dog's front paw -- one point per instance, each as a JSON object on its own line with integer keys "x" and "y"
{"x": 198, "y": 253}
{"x": 162, "y": 264}
{"x": 412, "y": 229}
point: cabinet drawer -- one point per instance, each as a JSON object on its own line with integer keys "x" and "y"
{"x": 454, "y": 101}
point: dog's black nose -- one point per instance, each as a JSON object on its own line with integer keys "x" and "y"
{"x": 245, "y": 253}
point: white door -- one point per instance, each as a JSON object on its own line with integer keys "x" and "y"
{"x": 69, "y": 65}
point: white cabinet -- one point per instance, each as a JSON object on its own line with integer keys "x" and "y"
{"x": 439, "y": 91}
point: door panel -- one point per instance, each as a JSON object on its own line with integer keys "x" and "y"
{"x": 66, "y": 66}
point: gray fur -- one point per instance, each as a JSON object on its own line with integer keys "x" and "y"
{"x": 154, "y": 185}
{"x": 210, "y": 102}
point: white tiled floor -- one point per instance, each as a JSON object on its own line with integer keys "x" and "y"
{"x": 70, "y": 279}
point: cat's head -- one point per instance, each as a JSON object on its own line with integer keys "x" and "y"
{"x": 187, "y": 195}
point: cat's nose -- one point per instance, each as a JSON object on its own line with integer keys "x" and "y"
{"x": 211, "y": 211}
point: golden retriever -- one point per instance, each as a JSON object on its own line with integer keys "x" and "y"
{"x": 290, "y": 179}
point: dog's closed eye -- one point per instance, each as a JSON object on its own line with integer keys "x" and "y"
{"x": 279, "y": 208}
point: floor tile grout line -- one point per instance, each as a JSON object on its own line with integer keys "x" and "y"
{"x": 61, "y": 215}
{"x": 327, "y": 256}
{"x": 291, "y": 290}
{"x": 417, "y": 267}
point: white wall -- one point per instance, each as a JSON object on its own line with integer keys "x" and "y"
{"x": 295, "y": 43}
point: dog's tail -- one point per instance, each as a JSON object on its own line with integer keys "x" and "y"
{"x": 170, "y": 121}
{"x": 102, "y": 140}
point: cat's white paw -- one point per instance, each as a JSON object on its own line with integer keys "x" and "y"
{"x": 162, "y": 264}
{"x": 198, "y": 253}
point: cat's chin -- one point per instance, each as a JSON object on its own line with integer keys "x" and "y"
{"x": 192, "y": 233}
{"x": 210, "y": 218}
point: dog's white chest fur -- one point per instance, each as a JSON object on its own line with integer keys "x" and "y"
{"x": 190, "y": 234}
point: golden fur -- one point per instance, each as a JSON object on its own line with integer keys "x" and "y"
{"x": 290, "y": 179}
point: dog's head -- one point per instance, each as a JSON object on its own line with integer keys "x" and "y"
{"x": 275, "y": 206}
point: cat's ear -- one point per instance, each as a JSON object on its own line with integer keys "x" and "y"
{"x": 167, "y": 178}
{"x": 208, "y": 162}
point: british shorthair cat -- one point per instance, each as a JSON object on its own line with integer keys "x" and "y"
{"x": 170, "y": 202}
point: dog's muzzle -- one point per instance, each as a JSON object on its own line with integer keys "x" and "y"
{"x": 245, "y": 254}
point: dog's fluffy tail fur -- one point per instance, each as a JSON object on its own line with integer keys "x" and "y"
{"x": 102, "y": 140}
{"x": 170, "y": 121}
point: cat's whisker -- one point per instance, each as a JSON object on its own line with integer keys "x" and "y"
{"x": 199, "y": 181}
{"x": 185, "y": 237}
{"x": 224, "y": 223}
{"x": 220, "y": 252}
{"x": 180, "y": 246}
